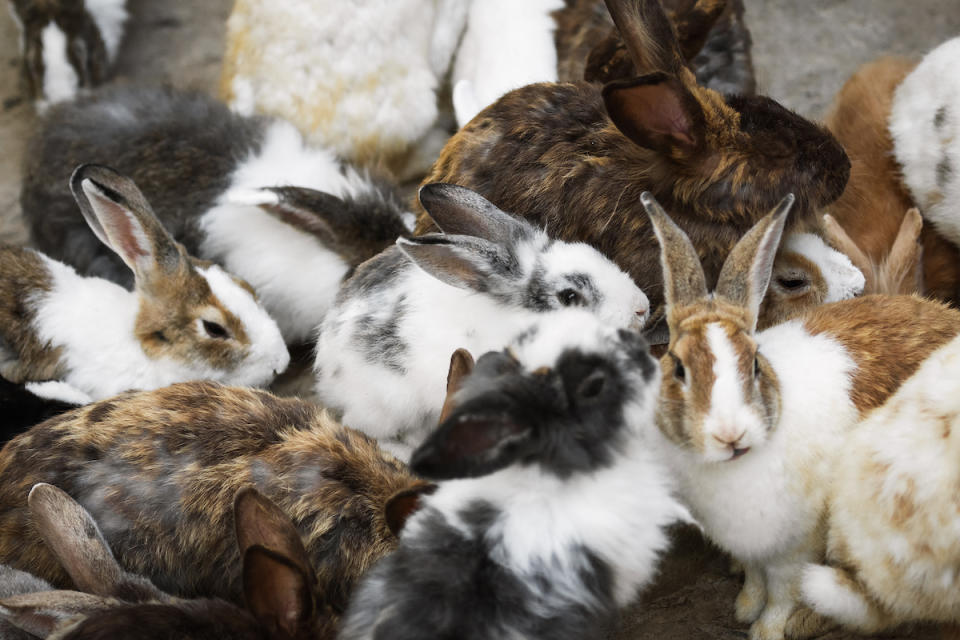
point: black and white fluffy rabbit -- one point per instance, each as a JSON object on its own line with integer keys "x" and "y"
{"x": 550, "y": 509}
{"x": 213, "y": 178}
{"x": 382, "y": 348}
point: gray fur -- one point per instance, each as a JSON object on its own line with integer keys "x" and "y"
{"x": 944, "y": 172}
{"x": 380, "y": 341}
{"x": 940, "y": 117}
{"x": 12, "y": 583}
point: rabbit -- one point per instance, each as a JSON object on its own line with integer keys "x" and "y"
{"x": 66, "y": 45}
{"x": 114, "y": 603}
{"x": 12, "y": 583}
{"x": 360, "y": 78}
{"x": 158, "y": 471}
{"x": 186, "y": 319}
{"x": 893, "y": 534}
{"x": 213, "y": 177}
{"x": 753, "y": 424}
{"x": 474, "y": 286}
{"x": 574, "y": 158}
{"x": 550, "y": 508}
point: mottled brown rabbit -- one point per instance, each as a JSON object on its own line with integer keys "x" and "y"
{"x": 574, "y": 158}
{"x": 159, "y": 470}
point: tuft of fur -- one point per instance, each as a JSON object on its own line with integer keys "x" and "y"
{"x": 381, "y": 348}
{"x": 159, "y": 470}
{"x": 574, "y": 158}
{"x": 755, "y": 423}
{"x": 212, "y": 177}
{"x": 894, "y": 527}
{"x": 551, "y": 510}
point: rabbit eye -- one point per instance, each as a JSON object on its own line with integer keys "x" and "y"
{"x": 792, "y": 284}
{"x": 215, "y": 330}
{"x": 679, "y": 372}
{"x": 569, "y": 297}
{"x": 756, "y": 366}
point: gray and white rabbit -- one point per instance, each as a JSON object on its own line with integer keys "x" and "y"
{"x": 214, "y": 179}
{"x": 381, "y": 349}
{"x": 550, "y": 508}
{"x": 66, "y": 45}
{"x": 186, "y": 319}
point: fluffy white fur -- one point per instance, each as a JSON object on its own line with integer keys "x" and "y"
{"x": 359, "y": 77}
{"x": 60, "y": 81}
{"x": 93, "y": 321}
{"x": 843, "y": 280}
{"x": 110, "y": 17}
{"x": 296, "y": 277}
{"x": 402, "y": 404}
{"x": 895, "y": 509}
{"x": 925, "y": 125}
{"x": 58, "y": 390}
{"x": 506, "y": 45}
{"x": 764, "y": 507}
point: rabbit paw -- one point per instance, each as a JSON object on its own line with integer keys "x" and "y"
{"x": 804, "y": 622}
{"x": 752, "y": 597}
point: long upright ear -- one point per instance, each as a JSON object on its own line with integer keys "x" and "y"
{"x": 461, "y": 211}
{"x": 405, "y": 503}
{"x": 904, "y": 263}
{"x": 648, "y": 34}
{"x": 40, "y": 614}
{"x": 693, "y": 27}
{"x": 260, "y": 522}
{"x": 746, "y": 271}
{"x": 683, "y": 279}
{"x": 460, "y": 261}
{"x": 837, "y": 238}
{"x": 656, "y": 112}
{"x": 123, "y": 220}
{"x": 75, "y": 539}
{"x": 277, "y": 591}
{"x": 461, "y": 364}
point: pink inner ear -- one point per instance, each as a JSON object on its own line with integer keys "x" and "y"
{"x": 658, "y": 108}
{"x": 127, "y": 237}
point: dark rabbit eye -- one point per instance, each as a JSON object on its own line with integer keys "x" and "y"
{"x": 569, "y": 297}
{"x": 756, "y": 366}
{"x": 215, "y": 330}
{"x": 792, "y": 284}
{"x": 679, "y": 372}
{"x": 592, "y": 386}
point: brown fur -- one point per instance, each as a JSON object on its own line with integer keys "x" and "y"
{"x": 25, "y": 279}
{"x": 795, "y": 286}
{"x": 888, "y": 337}
{"x": 159, "y": 470}
{"x": 550, "y": 153}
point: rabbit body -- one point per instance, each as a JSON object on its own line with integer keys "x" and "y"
{"x": 204, "y": 169}
{"x": 158, "y": 471}
{"x": 893, "y": 535}
{"x": 67, "y": 45}
{"x": 531, "y": 539}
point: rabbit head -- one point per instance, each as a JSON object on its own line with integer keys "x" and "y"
{"x": 489, "y": 251}
{"x": 719, "y": 395}
{"x": 562, "y": 396}
{"x": 192, "y": 313}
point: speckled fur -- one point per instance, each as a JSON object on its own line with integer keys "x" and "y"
{"x": 159, "y": 471}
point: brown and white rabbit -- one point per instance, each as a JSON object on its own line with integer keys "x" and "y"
{"x": 754, "y": 423}
{"x": 66, "y": 45}
{"x": 185, "y": 320}
{"x": 244, "y": 192}
{"x": 893, "y": 534}
{"x": 158, "y": 471}
{"x": 573, "y": 158}
{"x": 114, "y": 603}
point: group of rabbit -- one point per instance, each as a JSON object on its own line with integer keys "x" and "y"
{"x": 615, "y": 189}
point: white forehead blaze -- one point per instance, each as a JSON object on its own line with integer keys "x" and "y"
{"x": 60, "y": 79}
{"x": 267, "y": 348}
{"x": 619, "y": 299}
{"x": 843, "y": 280}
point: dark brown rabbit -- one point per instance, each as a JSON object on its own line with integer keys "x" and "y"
{"x": 711, "y": 33}
{"x": 114, "y": 603}
{"x": 159, "y": 470}
{"x": 574, "y": 158}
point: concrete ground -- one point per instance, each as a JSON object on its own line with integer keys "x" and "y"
{"x": 803, "y": 51}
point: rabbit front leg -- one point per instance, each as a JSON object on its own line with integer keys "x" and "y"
{"x": 753, "y": 596}
{"x": 782, "y": 579}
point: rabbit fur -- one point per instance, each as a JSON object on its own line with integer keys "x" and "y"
{"x": 550, "y": 509}
{"x": 475, "y": 286}
{"x": 752, "y": 451}
{"x": 186, "y": 319}
{"x": 12, "y": 583}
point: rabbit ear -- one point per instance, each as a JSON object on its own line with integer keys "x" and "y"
{"x": 277, "y": 591}
{"x": 261, "y": 522}
{"x": 656, "y": 112}
{"x": 461, "y": 211}
{"x": 122, "y": 219}
{"x": 40, "y": 614}
{"x": 460, "y": 261}
{"x": 75, "y": 539}
{"x": 693, "y": 27}
{"x": 461, "y": 364}
{"x": 746, "y": 271}
{"x": 903, "y": 265}
{"x": 683, "y": 279}
{"x": 404, "y": 504}
{"x": 839, "y": 240}
{"x": 648, "y": 34}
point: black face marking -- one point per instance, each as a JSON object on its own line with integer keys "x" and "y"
{"x": 940, "y": 117}
{"x": 944, "y": 172}
{"x": 379, "y": 338}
